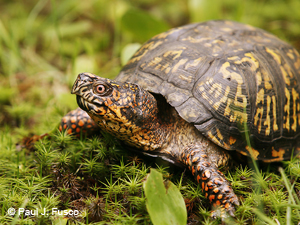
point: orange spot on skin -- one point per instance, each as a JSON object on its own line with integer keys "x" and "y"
{"x": 77, "y": 130}
{"x": 69, "y": 131}
{"x": 193, "y": 170}
{"x": 218, "y": 202}
{"x": 217, "y": 181}
{"x": 198, "y": 168}
{"x": 227, "y": 205}
{"x": 80, "y": 123}
{"x": 216, "y": 190}
{"x": 211, "y": 197}
{"x": 60, "y": 128}
{"x": 65, "y": 126}
{"x": 188, "y": 161}
{"x": 73, "y": 126}
{"x": 73, "y": 119}
{"x": 195, "y": 159}
{"x": 209, "y": 183}
{"x": 220, "y": 196}
{"x": 198, "y": 178}
{"x": 202, "y": 185}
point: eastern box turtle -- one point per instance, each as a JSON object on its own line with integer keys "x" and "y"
{"x": 193, "y": 91}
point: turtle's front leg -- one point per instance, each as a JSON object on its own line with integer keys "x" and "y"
{"x": 78, "y": 122}
{"x": 203, "y": 161}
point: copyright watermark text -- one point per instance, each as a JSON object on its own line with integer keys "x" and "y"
{"x": 43, "y": 212}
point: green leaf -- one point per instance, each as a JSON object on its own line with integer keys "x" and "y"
{"x": 128, "y": 52}
{"x": 142, "y": 25}
{"x": 164, "y": 202}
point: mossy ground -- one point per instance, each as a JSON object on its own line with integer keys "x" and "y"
{"x": 44, "y": 45}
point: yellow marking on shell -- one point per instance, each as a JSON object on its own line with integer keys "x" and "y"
{"x": 295, "y": 96}
{"x": 290, "y": 54}
{"x": 226, "y": 29}
{"x": 215, "y": 140}
{"x": 258, "y": 78}
{"x": 224, "y": 98}
{"x": 158, "y": 67}
{"x": 267, "y": 80}
{"x": 285, "y": 75}
{"x": 143, "y": 50}
{"x": 297, "y": 62}
{"x": 232, "y": 140}
{"x": 175, "y": 53}
{"x": 216, "y": 105}
{"x": 178, "y": 64}
{"x": 201, "y": 88}
{"x": 137, "y": 58}
{"x": 254, "y": 153}
{"x": 204, "y": 95}
{"x": 165, "y": 67}
{"x": 155, "y": 61}
{"x": 242, "y": 116}
{"x": 268, "y": 119}
{"x": 278, "y": 154}
{"x": 259, "y": 111}
{"x": 275, "y": 56}
{"x": 194, "y": 40}
{"x": 233, "y": 58}
{"x": 195, "y": 63}
{"x": 167, "y": 33}
{"x": 243, "y": 153}
{"x": 217, "y": 87}
{"x": 249, "y": 58}
{"x": 286, "y": 108}
{"x": 217, "y": 41}
{"x": 168, "y": 70}
{"x": 227, "y": 109}
{"x": 220, "y": 136}
{"x": 155, "y": 45}
{"x": 298, "y": 114}
{"x": 186, "y": 78}
{"x": 275, "y": 126}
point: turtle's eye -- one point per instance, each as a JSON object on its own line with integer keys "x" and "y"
{"x": 102, "y": 89}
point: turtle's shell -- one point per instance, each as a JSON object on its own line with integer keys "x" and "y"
{"x": 237, "y": 84}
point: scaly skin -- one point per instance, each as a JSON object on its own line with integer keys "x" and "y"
{"x": 147, "y": 122}
{"x": 78, "y": 122}
{"x": 213, "y": 183}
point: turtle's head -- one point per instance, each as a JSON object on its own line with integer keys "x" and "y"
{"x": 123, "y": 109}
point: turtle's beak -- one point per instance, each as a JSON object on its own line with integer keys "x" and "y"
{"x": 83, "y": 80}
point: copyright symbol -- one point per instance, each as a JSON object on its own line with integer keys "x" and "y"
{"x": 11, "y": 211}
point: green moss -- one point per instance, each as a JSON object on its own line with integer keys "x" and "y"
{"x": 43, "y": 45}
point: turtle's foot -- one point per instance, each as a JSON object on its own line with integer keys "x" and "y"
{"x": 216, "y": 188}
{"x": 77, "y": 122}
